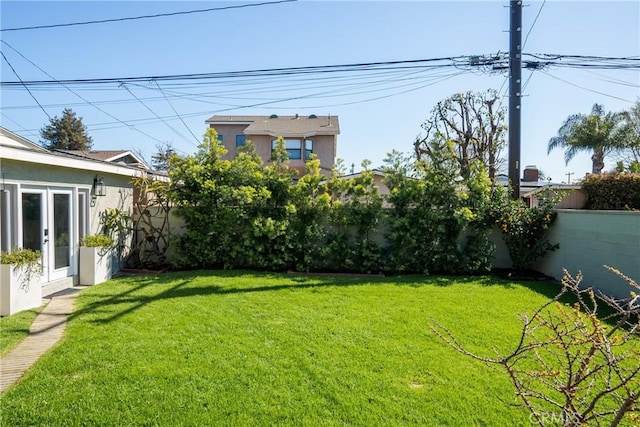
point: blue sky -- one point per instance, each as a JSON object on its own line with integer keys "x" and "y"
{"x": 377, "y": 113}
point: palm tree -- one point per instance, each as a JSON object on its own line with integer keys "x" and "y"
{"x": 599, "y": 132}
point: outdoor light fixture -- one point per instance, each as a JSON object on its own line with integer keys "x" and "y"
{"x": 98, "y": 187}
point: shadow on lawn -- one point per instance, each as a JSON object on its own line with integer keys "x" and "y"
{"x": 177, "y": 287}
{"x": 179, "y": 290}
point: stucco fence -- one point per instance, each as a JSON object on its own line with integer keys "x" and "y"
{"x": 588, "y": 240}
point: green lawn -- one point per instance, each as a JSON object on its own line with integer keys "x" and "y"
{"x": 231, "y": 348}
{"x": 15, "y": 328}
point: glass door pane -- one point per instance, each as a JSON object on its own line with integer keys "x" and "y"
{"x": 32, "y": 221}
{"x": 61, "y": 229}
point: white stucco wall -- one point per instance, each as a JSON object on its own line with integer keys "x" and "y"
{"x": 119, "y": 192}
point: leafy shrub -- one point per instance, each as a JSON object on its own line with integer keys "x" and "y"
{"x": 96, "y": 241}
{"x": 354, "y": 217}
{"x": 524, "y": 229}
{"x": 239, "y": 214}
{"x": 26, "y": 261}
{"x": 20, "y": 257}
{"x": 432, "y": 209}
{"x": 613, "y": 191}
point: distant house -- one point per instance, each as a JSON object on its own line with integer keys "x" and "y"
{"x": 121, "y": 157}
{"x": 303, "y": 136}
{"x": 49, "y": 200}
{"x": 378, "y": 181}
{"x": 531, "y": 186}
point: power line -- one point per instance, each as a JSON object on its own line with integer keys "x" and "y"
{"x": 158, "y": 15}
{"x": 492, "y": 63}
{"x": 524, "y": 86}
{"x": 534, "y": 24}
{"x": 33, "y": 132}
{"x": 174, "y": 110}
{"x": 155, "y": 114}
{"x": 25, "y": 86}
{"x": 80, "y": 96}
{"x": 278, "y": 72}
{"x": 585, "y": 88}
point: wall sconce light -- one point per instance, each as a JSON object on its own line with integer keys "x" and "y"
{"x": 98, "y": 187}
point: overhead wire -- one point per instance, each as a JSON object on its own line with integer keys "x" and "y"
{"x": 16, "y": 73}
{"x": 322, "y": 69}
{"x": 156, "y": 115}
{"x": 534, "y": 24}
{"x": 176, "y": 113}
{"x": 524, "y": 86}
{"x": 33, "y": 132}
{"x": 585, "y": 88}
{"x": 306, "y": 83}
{"x": 110, "y": 125}
{"x": 157, "y": 15}
{"x": 81, "y": 97}
{"x": 614, "y": 80}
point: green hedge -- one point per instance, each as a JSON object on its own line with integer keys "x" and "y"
{"x": 613, "y": 191}
{"x": 240, "y": 213}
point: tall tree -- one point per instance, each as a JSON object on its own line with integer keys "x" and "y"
{"x": 164, "y": 153}
{"x": 632, "y": 150}
{"x": 66, "y": 133}
{"x": 474, "y": 122}
{"x": 600, "y": 133}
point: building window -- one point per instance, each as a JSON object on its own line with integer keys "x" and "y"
{"x": 293, "y": 147}
{"x": 5, "y": 224}
{"x": 82, "y": 215}
{"x": 240, "y": 140}
{"x": 220, "y": 138}
{"x": 308, "y": 149}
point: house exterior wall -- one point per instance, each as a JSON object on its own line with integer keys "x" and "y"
{"x": 228, "y": 133}
{"x": 49, "y": 180}
{"x": 324, "y": 146}
{"x": 378, "y": 180}
{"x": 119, "y": 192}
{"x": 573, "y": 199}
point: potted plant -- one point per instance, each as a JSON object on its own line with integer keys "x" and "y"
{"x": 95, "y": 259}
{"x": 20, "y": 272}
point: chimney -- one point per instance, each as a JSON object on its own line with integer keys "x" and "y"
{"x": 531, "y": 174}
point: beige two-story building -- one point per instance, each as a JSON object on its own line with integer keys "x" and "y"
{"x": 303, "y": 135}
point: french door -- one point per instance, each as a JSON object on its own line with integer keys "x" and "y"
{"x": 47, "y": 226}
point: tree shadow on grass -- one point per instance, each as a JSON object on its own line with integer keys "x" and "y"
{"x": 177, "y": 289}
{"x": 174, "y": 285}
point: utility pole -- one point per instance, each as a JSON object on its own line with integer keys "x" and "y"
{"x": 569, "y": 177}
{"x": 515, "y": 87}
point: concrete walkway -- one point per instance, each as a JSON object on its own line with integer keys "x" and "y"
{"x": 45, "y": 331}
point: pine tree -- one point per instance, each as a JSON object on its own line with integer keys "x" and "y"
{"x": 160, "y": 161}
{"x": 66, "y": 133}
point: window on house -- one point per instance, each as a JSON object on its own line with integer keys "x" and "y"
{"x": 82, "y": 215}
{"x": 240, "y": 140}
{"x": 5, "y": 225}
{"x": 220, "y": 138}
{"x": 293, "y": 146}
{"x": 308, "y": 148}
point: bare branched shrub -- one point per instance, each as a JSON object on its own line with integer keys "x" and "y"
{"x": 577, "y": 364}
{"x": 151, "y": 223}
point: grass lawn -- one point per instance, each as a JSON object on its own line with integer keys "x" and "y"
{"x": 237, "y": 348}
{"x": 15, "y": 328}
